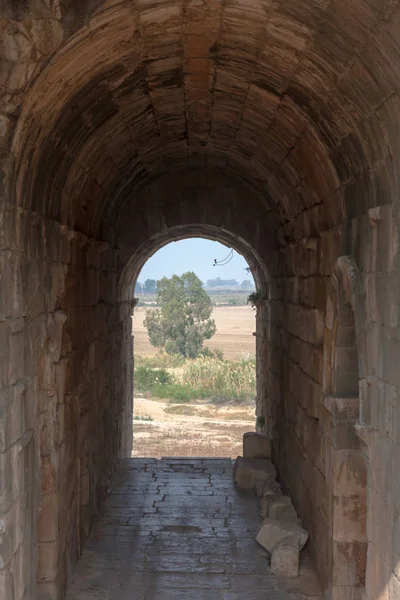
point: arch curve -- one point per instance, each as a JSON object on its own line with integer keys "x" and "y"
{"x": 152, "y": 245}
{"x": 345, "y": 322}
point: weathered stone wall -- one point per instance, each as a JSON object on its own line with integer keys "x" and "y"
{"x": 375, "y": 245}
{"x": 325, "y": 459}
{"x": 64, "y": 396}
{"x": 297, "y": 308}
{"x": 31, "y": 326}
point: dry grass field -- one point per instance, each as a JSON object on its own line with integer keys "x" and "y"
{"x": 193, "y": 429}
{"x": 235, "y": 326}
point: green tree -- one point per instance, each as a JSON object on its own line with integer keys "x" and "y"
{"x": 184, "y": 320}
{"x": 150, "y": 286}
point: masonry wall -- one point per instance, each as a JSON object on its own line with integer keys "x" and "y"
{"x": 375, "y": 243}
{"x": 63, "y": 393}
{"x": 308, "y": 448}
{"x": 297, "y": 306}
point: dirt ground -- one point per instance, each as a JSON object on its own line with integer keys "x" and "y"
{"x": 235, "y": 327}
{"x": 195, "y": 429}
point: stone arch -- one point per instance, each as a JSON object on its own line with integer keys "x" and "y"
{"x": 258, "y": 269}
{"x": 153, "y": 244}
{"x": 344, "y": 338}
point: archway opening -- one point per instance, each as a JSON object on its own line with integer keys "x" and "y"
{"x": 195, "y": 381}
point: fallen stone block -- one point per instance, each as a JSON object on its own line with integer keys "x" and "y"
{"x": 259, "y": 487}
{"x": 288, "y": 513}
{"x": 265, "y": 502}
{"x": 273, "y": 531}
{"x": 256, "y": 445}
{"x": 251, "y": 472}
{"x": 285, "y": 558}
{"x": 267, "y": 487}
{"x": 271, "y": 488}
{"x": 276, "y": 504}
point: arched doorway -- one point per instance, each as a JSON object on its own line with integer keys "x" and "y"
{"x": 197, "y": 404}
{"x": 134, "y": 266}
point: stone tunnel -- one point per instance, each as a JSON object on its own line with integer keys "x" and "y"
{"x": 271, "y": 126}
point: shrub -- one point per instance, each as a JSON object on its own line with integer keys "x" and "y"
{"x": 205, "y": 377}
{"x": 226, "y": 379}
{"x": 260, "y": 421}
{"x": 146, "y": 378}
{"x": 208, "y": 353}
{"x": 177, "y": 393}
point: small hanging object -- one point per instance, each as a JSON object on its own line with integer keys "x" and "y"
{"x": 225, "y": 261}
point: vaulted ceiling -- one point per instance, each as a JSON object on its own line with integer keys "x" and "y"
{"x": 296, "y": 99}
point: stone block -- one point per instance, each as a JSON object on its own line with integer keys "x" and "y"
{"x": 256, "y": 445}
{"x": 267, "y": 488}
{"x": 259, "y": 487}
{"x": 271, "y": 488}
{"x": 349, "y": 518}
{"x": 349, "y": 563}
{"x": 344, "y": 437}
{"x": 285, "y": 558}
{"x": 273, "y": 531}
{"x": 6, "y": 586}
{"x": 249, "y": 472}
{"x": 349, "y": 472}
{"x": 12, "y": 425}
{"x": 288, "y": 513}
{"x": 7, "y": 538}
{"x": 264, "y": 506}
{"x": 284, "y": 511}
{"x": 276, "y": 504}
{"x": 48, "y": 591}
{"x": 48, "y": 519}
{"x": 47, "y": 562}
{"x": 347, "y": 592}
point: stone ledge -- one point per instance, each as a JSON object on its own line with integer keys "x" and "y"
{"x": 343, "y": 409}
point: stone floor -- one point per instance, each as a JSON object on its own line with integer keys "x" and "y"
{"x": 178, "y": 529}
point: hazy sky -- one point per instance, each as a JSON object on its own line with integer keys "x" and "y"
{"x": 194, "y": 254}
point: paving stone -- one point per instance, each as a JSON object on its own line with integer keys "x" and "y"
{"x": 178, "y": 581}
{"x": 194, "y": 594}
{"x": 256, "y": 595}
{"x": 181, "y": 553}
